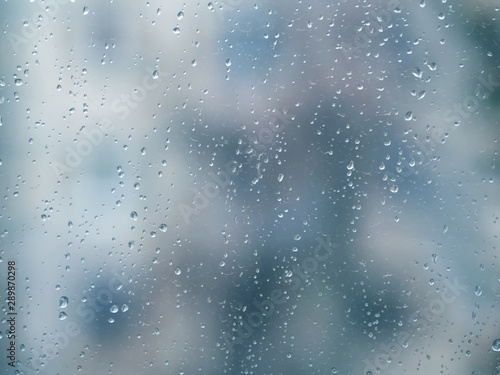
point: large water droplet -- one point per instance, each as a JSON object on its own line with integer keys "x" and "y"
{"x": 63, "y": 302}
{"x": 113, "y": 309}
{"x": 496, "y": 345}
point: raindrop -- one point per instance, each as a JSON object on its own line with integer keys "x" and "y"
{"x": 113, "y": 309}
{"x": 163, "y": 228}
{"x": 62, "y": 315}
{"x": 178, "y": 271}
{"x": 156, "y": 74}
{"x": 177, "y": 31}
{"x": 85, "y": 11}
{"x": 180, "y": 15}
{"x": 478, "y": 291}
{"x": 18, "y": 82}
{"x": 280, "y": 177}
{"x": 350, "y": 166}
{"x": 63, "y": 302}
{"x": 496, "y": 345}
{"x": 228, "y": 62}
{"x": 133, "y": 215}
{"x": 124, "y": 307}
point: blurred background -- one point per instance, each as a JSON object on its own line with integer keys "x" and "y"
{"x": 268, "y": 187}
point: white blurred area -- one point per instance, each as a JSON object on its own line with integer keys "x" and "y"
{"x": 128, "y": 109}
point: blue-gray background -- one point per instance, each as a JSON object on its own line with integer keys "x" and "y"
{"x": 370, "y": 125}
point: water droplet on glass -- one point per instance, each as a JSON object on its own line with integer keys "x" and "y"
{"x": 280, "y": 177}
{"x": 111, "y": 320}
{"x": 85, "y": 11}
{"x": 18, "y": 82}
{"x": 350, "y": 166}
{"x": 133, "y": 215}
{"x": 62, "y": 315}
{"x": 180, "y": 15}
{"x": 113, "y": 309}
{"x": 394, "y": 188}
{"x": 156, "y": 74}
{"x": 478, "y": 291}
{"x": 124, "y": 307}
{"x": 63, "y": 302}
{"x": 178, "y": 271}
{"x": 163, "y": 228}
{"x": 496, "y": 345}
{"x": 177, "y": 31}
{"x": 228, "y": 62}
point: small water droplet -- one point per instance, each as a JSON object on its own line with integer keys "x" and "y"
{"x": 62, "y": 315}
{"x": 85, "y": 11}
{"x": 180, "y": 15}
{"x": 163, "y": 228}
{"x": 178, "y": 271}
{"x": 113, "y": 309}
{"x": 177, "y": 31}
{"x": 280, "y": 177}
{"x": 156, "y": 74}
{"x": 133, "y": 215}
{"x": 124, "y": 307}
{"x": 478, "y": 291}
{"x": 350, "y": 166}
{"x": 228, "y": 62}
